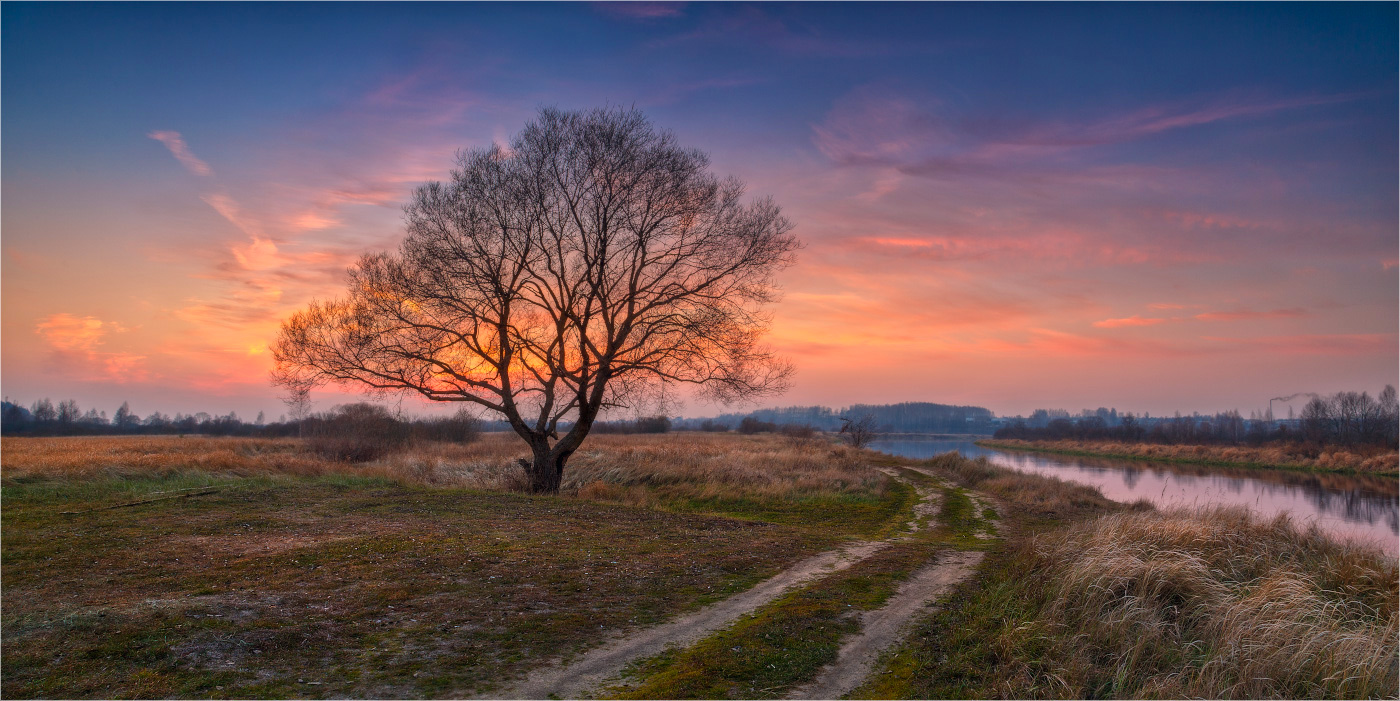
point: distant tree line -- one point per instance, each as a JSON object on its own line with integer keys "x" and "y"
{"x": 647, "y": 424}
{"x": 905, "y": 417}
{"x": 43, "y": 418}
{"x": 1345, "y": 418}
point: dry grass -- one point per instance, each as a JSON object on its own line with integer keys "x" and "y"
{"x": 607, "y": 464}
{"x": 1215, "y": 604}
{"x": 97, "y": 457}
{"x": 1288, "y": 455}
{"x": 762, "y": 476}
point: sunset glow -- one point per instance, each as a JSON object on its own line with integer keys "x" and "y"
{"x": 1155, "y": 207}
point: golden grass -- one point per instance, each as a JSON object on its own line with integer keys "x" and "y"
{"x": 625, "y": 468}
{"x": 96, "y": 457}
{"x": 1214, "y": 603}
{"x": 1288, "y": 455}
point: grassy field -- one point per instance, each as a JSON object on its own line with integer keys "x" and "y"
{"x": 1289, "y": 456}
{"x": 201, "y": 567}
{"x": 404, "y": 578}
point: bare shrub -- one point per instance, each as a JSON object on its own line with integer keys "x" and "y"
{"x": 798, "y": 435}
{"x": 858, "y": 432}
{"x": 358, "y": 432}
{"x": 461, "y": 427}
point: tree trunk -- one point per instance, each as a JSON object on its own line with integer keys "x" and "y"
{"x": 546, "y": 469}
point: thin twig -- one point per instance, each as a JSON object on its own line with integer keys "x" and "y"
{"x": 137, "y": 503}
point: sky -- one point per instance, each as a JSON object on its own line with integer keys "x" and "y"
{"x": 1154, "y": 207}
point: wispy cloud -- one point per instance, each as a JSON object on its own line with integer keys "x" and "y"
{"x": 881, "y": 125}
{"x": 641, "y": 10}
{"x": 1315, "y": 344}
{"x": 182, "y": 153}
{"x": 1248, "y": 314}
{"x": 1129, "y": 321}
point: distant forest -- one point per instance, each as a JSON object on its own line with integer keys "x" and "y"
{"x": 1345, "y": 418}
{"x": 66, "y": 418}
{"x": 905, "y": 417}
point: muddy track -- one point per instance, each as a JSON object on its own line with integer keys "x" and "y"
{"x": 886, "y": 626}
{"x": 576, "y": 679}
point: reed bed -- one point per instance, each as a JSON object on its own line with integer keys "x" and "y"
{"x": 1287, "y": 455}
{"x": 1211, "y": 603}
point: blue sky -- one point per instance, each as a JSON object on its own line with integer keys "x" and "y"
{"x": 1159, "y": 206}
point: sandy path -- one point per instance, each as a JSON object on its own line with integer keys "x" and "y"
{"x": 884, "y": 627}
{"x": 577, "y": 679}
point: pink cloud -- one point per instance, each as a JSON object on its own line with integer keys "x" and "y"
{"x": 182, "y": 153}
{"x": 1315, "y": 344}
{"x": 1246, "y": 314}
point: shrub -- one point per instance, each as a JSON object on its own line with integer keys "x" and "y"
{"x": 462, "y": 427}
{"x": 750, "y": 425}
{"x": 358, "y": 432}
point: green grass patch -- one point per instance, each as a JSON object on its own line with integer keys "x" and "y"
{"x": 858, "y": 514}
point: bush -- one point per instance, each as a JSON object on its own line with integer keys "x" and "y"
{"x": 712, "y": 426}
{"x": 750, "y": 425}
{"x": 356, "y": 433}
{"x": 652, "y": 424}
{"x": 462, "y": 427}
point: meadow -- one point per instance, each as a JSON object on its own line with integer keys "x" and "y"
{"x": 137, "y": 567}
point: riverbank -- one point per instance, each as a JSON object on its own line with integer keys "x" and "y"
{"x": 1270, "y": 457}
{"x": 1107, "y": 601}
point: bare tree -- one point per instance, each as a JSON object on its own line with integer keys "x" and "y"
{"x": 586, "y": 266}
{"x": 860, "y": 431}
{"x": 68, "y": 412}
{"x": 298, "y": 401}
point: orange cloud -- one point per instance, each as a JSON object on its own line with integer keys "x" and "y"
{"x": 75, "y": 340}
{"x": 1134, "y": 320}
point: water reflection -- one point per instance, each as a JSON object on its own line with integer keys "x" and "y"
{"x": 1351, "y": 506}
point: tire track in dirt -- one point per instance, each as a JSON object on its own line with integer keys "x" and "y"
{"x": 578, "y": 678}
{"x": 886, "y": 626}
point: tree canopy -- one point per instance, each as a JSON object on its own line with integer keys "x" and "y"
{"x": 585, "y": 266}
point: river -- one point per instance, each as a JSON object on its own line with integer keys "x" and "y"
{"x": 1357, "y": 507}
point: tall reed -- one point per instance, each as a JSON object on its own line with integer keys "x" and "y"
{"x": 1214, "y": 603}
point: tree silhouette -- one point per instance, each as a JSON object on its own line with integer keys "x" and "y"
{"x": 586, "y": 266}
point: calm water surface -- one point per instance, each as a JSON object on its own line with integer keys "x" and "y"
{"x": 1354, "y": 507}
